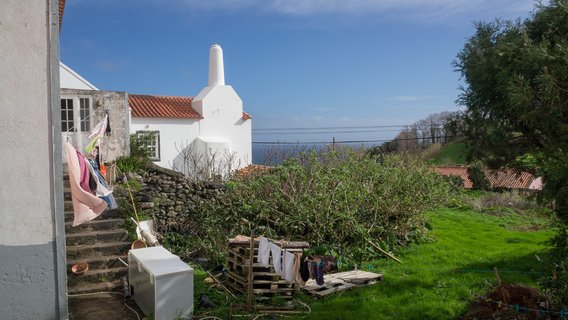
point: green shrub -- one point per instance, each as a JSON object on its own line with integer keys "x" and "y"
{"x": 336, "y": 201}
{"x": 138, "y": 158}
{"x": 477, "y": 176}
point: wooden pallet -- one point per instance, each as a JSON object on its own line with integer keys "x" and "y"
{"x": 266, "y": 283}
{"x": 341, "y": 281}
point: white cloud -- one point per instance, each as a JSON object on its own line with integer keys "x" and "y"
{"x": 434, "y": 9}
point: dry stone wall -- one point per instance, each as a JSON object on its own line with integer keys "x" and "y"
{"x": 171, "y": 198}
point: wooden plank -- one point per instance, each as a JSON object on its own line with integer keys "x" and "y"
{"x": 342, "y": 281}
{"x": 244, "y": 240}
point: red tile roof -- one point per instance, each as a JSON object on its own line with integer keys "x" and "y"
{"x": 252, "y": 169}
{"x": 510, "y": 179}
{"x": 145, "y": 106}
{"x": 61, "y": 10}
{"x": 456, "y": 171}
{"x": 503, "y": 178}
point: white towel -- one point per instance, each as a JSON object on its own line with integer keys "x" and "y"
{"x": 263, "y": 252}
{"x": 276, "y": 257}
{"x": 288, "y": 266}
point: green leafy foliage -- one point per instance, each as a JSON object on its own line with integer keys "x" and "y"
{"x": 517, "y": 101}
{"x": 335, "y": 201}
{"x": 476, "y": 174}
{"x": 138, "y": 158}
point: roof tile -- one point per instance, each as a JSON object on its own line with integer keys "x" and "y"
{"x": 146, "y": 106}
{"x": 503, "y": 178}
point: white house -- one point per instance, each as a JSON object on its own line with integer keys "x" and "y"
{"x": 83, "y": 105}
{"x": 206, "y": 134}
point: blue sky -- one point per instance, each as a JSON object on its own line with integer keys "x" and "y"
{"x": 294, "y": 63}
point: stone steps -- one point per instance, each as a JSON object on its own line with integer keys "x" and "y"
{"x": 97, "y": 276}
{"x": 98, "y": 224}
{"x": 101, "y": 262}
{"x": 85, "y": 252}
{"x": 90, "y": 237}
{"x": 69, "y": 216}
{"x": 100, "y": 243}
{"x": 114, "y": 285}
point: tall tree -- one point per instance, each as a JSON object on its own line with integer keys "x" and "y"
{"x": 517, "y": 92}
{"x": 517, "y": 100}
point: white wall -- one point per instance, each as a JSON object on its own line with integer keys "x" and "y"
{"x": 174, "y": 134}
{"x": 70, "y": 79}
{"x": 222, "y": 111}
{"x": 32, "y": 239}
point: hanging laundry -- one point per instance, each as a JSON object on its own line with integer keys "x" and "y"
{"x": 319, "y": 273}
{"x": 263, "y": 252}
{"x": 108, "y": 131}
{"x": 86, "y": 206}
{"x": 100, "y": 128}
{"x": 84, "y": 175}
{"x": 103, "y": 190}
{"x": 297, "y": 265}
{"x": 288, "y": 267}
{"x": 305, "y": 270}
{"x": 276, "y": 258}
{"x": 96, "y": 136}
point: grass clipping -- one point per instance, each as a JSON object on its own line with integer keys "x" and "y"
{"x": 337, "y": 202}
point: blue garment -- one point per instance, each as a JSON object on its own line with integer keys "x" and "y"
{"x": 109, "y": 199}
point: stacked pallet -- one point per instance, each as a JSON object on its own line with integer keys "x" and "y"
{"x": 266, "y": 283}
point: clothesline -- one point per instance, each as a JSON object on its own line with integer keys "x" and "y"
{"x": 291, "y": 266}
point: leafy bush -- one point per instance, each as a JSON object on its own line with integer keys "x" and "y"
{"x": 557, "y": 284}
{"x": 138, "y": 158}
{"x": 477, "y": 176}
{"x": 332, "y": 200}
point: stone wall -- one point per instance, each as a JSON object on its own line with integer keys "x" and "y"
{"x": 170, "y": 197}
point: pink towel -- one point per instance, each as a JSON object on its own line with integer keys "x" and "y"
{"x": 86, "y": 206}
{"x": 84, "y": 170}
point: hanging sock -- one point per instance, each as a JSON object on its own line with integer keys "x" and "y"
{"x": 276, "y": 258}
{"x": 297, "y": 266}
{"x": 288, "y": 267}
{"x": 108, "y": 131}
{"x": 263, "y": 252}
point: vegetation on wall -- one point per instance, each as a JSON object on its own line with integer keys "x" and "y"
{"x": 335, "y": 201}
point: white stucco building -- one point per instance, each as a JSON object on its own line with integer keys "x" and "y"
{"x": 83, "y": 105}
{"x": 206, "y": 134}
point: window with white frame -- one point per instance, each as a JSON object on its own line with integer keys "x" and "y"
{"x": 85, "y": 114}
{"x": 150, "y": 140}
{"x": 76, "y": 114}
{"x": 67, "y": 121}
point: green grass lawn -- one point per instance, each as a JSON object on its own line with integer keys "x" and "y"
{"x": 439, "y": 279}
{"x": 451, "y": 154}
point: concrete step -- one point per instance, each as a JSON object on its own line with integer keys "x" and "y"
{"x": 99, "y": 223}
{"x": 99, "y": 262}
{"x": 92, "y": 237}
{"x": 97, "y": 276}
{"x": 114, "y": 285}
{"x": 90, "y": 251}
{"x": 107, "y": 214}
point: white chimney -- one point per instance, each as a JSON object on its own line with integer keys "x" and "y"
{"x": 216, "y": 69}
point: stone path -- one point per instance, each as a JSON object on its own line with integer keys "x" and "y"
{"x": 103, "y": 306}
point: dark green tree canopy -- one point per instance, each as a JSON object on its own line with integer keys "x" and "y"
{"x": 517, "y": 86}
{"x": 516, "y": 94}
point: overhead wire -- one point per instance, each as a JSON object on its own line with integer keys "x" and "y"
{"x": 348, "y": 141}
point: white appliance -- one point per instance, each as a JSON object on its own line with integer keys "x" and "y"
{"x": 160, "y": 283}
